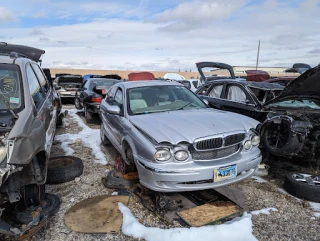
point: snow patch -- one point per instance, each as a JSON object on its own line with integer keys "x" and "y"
{"x": 259, "y": 179}
{"x": 316, "y": 208}
{"x": 65, "y": 122}
{"x": 90, "y": 138}
{"x": 236, "y": 230}
{"x": 264, "y": 211}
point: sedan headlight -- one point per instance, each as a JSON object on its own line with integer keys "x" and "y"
{"x": 255, "y": 140}
{"x": 162, "y": 155}
{"x": 181, "y": 155}
{"x": 247, "y": 145}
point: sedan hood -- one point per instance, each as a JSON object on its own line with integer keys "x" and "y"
{"x": 188, "y": 125}
{"x": 306, "y": 85}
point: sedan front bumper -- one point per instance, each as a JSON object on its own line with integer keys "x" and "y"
{"x": 197, "y": 175}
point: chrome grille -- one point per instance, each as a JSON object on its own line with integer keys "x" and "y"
{"x": 214, "y": 154}
{"x": 203, "y": 144}
{"x": 209, "y": 144}
{"x": 234, "y": 139}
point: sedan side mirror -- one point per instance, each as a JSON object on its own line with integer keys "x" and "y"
{"x": 113, "y": 109}
{"x": 57, "y": 87}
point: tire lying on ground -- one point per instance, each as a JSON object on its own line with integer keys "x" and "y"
{"x": 115, "y": 180}
{"x": 303, "y": 186}
{"x": 24, "y": 215}
{"x": 64, "y": 169}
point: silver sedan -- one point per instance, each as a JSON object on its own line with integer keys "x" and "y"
{"x": 174, "y": 141}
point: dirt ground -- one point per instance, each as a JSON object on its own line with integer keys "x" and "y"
{"x": 294, "y": 219}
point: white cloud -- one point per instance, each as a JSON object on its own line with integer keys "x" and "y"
{"x": 201, "y": 12}
{"x": 36, "y": 31}
{"x": 6, "y": 16}
{"x": 41, "y": 14}
{"x": 225, "y": 34}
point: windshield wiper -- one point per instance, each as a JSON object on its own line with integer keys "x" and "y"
{"x": 181, "y": 108}
{"x": 10, "y": 109}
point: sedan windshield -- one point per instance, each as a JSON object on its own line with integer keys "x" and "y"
{"x": 10, "y": 86}
{"x": 303, "y": 103}
{"x": 152, "y": 99}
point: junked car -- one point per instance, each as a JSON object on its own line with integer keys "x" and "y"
{"x": 289, "y": 115}
{"x": 174, "y": 140}
{"x": 67, "y": 85}
{"x": 90, "y": 94}
{"x": 246, "y": 98}
{"x": 27, "y": 126}
{"x": 292, "y": 126}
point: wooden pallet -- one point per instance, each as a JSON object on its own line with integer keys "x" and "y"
{"x": 210, "y": 213}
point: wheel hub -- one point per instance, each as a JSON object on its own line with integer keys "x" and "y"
{"x": 120, "y": 165}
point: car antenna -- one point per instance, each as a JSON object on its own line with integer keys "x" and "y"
{"x": 10, "y": 109}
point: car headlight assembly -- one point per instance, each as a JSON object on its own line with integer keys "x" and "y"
{"x": 247, "y": 145}
{"x": 181, "y": 155}
{"x": 255, "y": 140}
{"x": 162, "y": 155}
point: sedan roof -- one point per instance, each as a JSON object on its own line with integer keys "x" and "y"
{"x": 258, "y": 85}
{"x": 136, "y": 84}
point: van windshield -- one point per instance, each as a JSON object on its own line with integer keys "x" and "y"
{"x": 10, "y": 86}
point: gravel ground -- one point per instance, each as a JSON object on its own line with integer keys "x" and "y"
{"x": 293, "y": 221}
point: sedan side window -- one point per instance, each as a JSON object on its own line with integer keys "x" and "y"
{"x": 43, "y": 81}
{"x": 203, "y": 90}
{"x": 235, "y": 93}
{"x": 118, "y": 99}
{"x": 111, "y": 95}
{"x": 216, "y": 90}
{"x": 35, "y": 89}
{"x": 86, "y": 84}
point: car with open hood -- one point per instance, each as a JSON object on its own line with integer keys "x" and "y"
{"x": 174, "y": 141}
{"x": 90, "y": 94}
{"x": 292, "y": 126}
{"x": 289, "y": 115}
{"x": 28, "y": 115}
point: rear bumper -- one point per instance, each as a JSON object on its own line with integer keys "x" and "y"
{"x": 67, "y": 94}
{"x": 195, "y": 176}
{"x": 93, "y": 108}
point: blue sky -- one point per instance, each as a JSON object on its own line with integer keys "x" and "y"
{"x": 164, "y": 35}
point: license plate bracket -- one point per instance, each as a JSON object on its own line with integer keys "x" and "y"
{"x": 226, "y": 172}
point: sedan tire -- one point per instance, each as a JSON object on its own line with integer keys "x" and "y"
{"x": 115, "y": 180}
{"x": 50, "y": 207}
{"x": 303, "y": 186}
{"x": 64, "y": 169}
{"x": 78, "y": 104}
{"x": 104, "y": 140}
{"x": 87, "y": 115}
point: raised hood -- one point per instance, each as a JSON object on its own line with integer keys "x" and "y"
{"x": 306, "y": 85}
{"x": 188, "y": 125}
{"x": 30, "y": 52}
